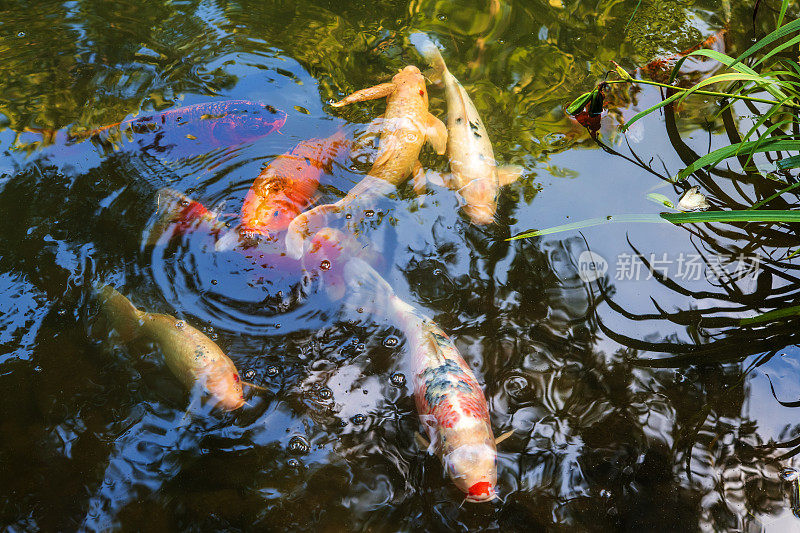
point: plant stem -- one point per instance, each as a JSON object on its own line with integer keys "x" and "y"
{"x": 707, "y": 93}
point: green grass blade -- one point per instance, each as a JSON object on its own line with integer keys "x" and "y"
{"x": 730, "y": 76}
{"x": 674, "y": 218}
{"x": 738, "y": 148}
{"x": 765, "y": 117}
{"x": 727, "y": 61}
{"x": 772, "y": 197}
{"x": 764, "y": 137}
{"x": 784, "y": 7}
{"x": 778, "y": 49}
{"x": 637, "y": 116}
{"x": 779, "y": 33}
{"x": 771, "y": 315}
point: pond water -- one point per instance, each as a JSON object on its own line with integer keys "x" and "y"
{"x": 95, "y": 434}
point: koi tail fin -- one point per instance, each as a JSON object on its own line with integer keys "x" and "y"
{"x": 122, "y": 315}
{"x": 432, "y": 55}
{"x": 304, "y": 225}
{"x": 369, "y": 292}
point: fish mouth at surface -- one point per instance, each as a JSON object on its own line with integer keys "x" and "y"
{"x": 481, "y": 492}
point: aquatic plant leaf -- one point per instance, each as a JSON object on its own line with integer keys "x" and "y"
{"x": 746, "y": 147}
{"x": 579, "y": 103}
{"x": 674, "y": 218}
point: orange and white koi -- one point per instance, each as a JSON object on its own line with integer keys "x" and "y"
{"x": 474, "y": 171}
{"x": 284, "y": 189}
{"x": 405, "y": 127}
{"x": 450, "y": 403}
{"x": 177, "y": 214}
{"x": 191, "y": 356}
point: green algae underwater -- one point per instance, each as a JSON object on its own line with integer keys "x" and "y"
{"x": 643, "y": 393}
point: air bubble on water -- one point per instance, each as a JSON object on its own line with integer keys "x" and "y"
{"x": 249, "y": 374}
{"x": 348, "y": 216}
{"x": 180, "y": 324}
{"x": 184, "y": 202}
{"x": 325, "y": 265}
{"x": 442, "y": 17}
{"x": 361, "y": 347}
{"x": 21, "y": 34}
{"x": 437, "y": 271}
{"x": 325, "y": 393}
{"x": 37, "y": 368}
{"x": 605, "y": 494}
{"x": 369, "y": 213}
{"x": 214, "y": 336}
{"x": 398, "y": 379}
{"x": 272, "y": 371}
{"x": 391, "y": 341}
{"x": 360, "y": 310}
{"x": 516, "y": 385}
{"x": 61, "y": 312}
{"x": 213, "y": 282}
{"x": 294, "y": 463}
{"x": 358, "y": 419}
{"x": 298, "y": 445}
{"x": 278, "y": 325}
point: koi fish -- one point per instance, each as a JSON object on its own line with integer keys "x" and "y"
{"x": 474, "y": 171}
{"x": 659, "y": 68}
{"x": 450, "y": 403}
{"x": 177, "y": 214}
{"x": 189, "y": 354}
{"x": 207, "y": 125}
{"x": 405, "y": 127}
{"x": 284, "y": 189}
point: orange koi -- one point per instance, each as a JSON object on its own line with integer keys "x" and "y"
{"x": 284, "y": 189}
{"x": 658, "y": 67}
{"x": 405, "y": 127}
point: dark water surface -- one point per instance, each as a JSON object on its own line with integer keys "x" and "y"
{"x": 94, "y": 435}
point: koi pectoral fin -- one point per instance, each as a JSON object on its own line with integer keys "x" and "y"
{"x": 371, "y": 93}
{"x": 436, "y": 133}
{"x": 508, "y": 174}
{"x": 503, "y": 437}
{"x": 253, "y": 385}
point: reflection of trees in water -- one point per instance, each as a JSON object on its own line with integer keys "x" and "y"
{"x": 602, "y": 441}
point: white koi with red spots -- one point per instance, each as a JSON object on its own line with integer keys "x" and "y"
{"x": 450, "y": 402}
